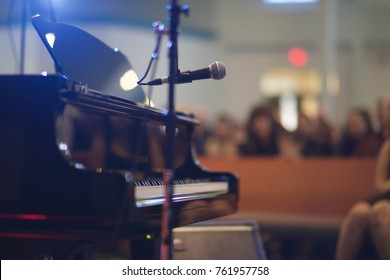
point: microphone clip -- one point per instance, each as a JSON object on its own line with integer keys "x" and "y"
{"x": 180, "y": 78}
{"x": 159, "y": 28}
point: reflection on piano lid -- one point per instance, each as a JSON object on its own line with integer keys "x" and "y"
{"x": 81, "y": 57}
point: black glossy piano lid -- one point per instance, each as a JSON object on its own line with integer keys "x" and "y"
{"x": 83, "y": 58}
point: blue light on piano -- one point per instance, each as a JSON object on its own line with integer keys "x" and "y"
{"x": 79, "y": 165}
{"x": 150, "y": 202}
{"x": 63, "y": 146}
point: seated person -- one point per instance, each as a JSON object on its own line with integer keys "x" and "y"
{"x": 367, "y": 225}
{"x": 359, "y": 138}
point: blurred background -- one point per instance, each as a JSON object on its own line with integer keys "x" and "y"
{"x": 315, "y": 57}
{"x": 304, "y": 78}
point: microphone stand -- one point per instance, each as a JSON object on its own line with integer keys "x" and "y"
{"x": 167, "y": 220}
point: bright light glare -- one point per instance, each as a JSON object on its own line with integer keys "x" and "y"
{"x": 289, "y": 111}
{"x": 63, "y": 146}
{"x": 129, "y": 80}
{"x": 50, "y": 38}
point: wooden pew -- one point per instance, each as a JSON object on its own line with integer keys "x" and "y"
{"x": 305, "y": 198}
{"x": 310, "y": 186}
{"x": 298, "y": 205}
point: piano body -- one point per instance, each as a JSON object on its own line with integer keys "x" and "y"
{"x": 82, "y": 168}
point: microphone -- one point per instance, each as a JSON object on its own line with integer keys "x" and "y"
{"x": 216, "y": 71}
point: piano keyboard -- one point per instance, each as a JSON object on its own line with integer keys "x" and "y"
{"x": 149, "y": 193}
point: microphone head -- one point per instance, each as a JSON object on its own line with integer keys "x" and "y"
{"x": 217, "y": 70}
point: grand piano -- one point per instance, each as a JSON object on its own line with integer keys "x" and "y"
{"x": 82, "y": 154}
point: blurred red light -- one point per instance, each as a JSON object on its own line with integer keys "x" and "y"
{"x": 297, "y": 57}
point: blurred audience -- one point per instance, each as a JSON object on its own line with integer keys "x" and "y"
{"x": 381, "y": 118}
{"x": 201, "y": 131}
{"x": 316, "y": 136}
{"x": 200, "y": 135}
{"x": 359, "y": 138}
{"x": 223, "y": 141}
{"x": 290, "y": 145}
{"x": 383, "y": 106}
{"x": 323, "y": 138}
{"x": 261, "y": 133}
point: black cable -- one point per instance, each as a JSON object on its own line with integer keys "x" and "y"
{"x": 153, "y": 57}
{"x": 154, "y": 69}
